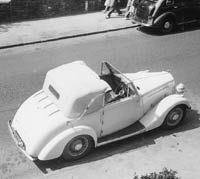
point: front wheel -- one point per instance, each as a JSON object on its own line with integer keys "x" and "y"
{"x": 78, "y": 147}
{"x": 167, "y": 25}
{"x": 174, "y": 117}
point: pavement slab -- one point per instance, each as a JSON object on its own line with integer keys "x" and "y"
{"x": 37, "y": 31}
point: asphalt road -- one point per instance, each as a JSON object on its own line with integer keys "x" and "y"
{"x": 22, "y": 71}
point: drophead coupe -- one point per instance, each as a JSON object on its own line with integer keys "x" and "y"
{"x": 78, "y": 110}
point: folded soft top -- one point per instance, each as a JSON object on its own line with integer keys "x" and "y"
{"x": 74, "y": 85}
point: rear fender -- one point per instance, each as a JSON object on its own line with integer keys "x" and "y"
{"x": 55, "y": 147}
{"x": 156, "y": 116}
{"x": 159, "y": 20}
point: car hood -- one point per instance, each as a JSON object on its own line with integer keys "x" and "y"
{"x": 147, "y": 82}
{"x": 36, "y": 121}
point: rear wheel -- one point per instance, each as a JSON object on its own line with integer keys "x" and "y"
{"x": 78, "y": 147}
{"x": 167, "y": 25}
{"x": 174, "y": 117}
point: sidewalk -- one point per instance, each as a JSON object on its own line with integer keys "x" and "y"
{"x": 30, "y": 32}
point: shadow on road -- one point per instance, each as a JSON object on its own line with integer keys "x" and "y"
{"x": 6, "y": 26}
{"x": 178, "y": 29}
{"x": 191, "y": 122}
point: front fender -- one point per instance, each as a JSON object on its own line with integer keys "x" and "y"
{"x": 55, "y": 147}
{"x": 156, "y": 116}
{"x": 159, "y": 20}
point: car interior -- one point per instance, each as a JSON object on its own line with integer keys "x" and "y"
{"x": 113, "y": 81}
{"x": 119, "y": 88}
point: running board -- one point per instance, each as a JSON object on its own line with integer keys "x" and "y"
{"x": 132, "y": 130}
{"x": 188, "y": 22}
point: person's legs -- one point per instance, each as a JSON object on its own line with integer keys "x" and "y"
{"x": 112, "y": 9}
{"x": 106, "y": 9}
{"x": 128, "y": 5}
{"x": 127, "y": 12}
{"x": 117, "y": 9}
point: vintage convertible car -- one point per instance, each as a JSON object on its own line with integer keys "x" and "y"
{"x": 78, "y": 110}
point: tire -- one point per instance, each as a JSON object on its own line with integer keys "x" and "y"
{"x": 174, "y": 117}
{"x": 167, "y": 25}
{"x": 78, "y": 147}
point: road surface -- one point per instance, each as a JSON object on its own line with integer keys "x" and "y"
{"x": 23, "y": 69}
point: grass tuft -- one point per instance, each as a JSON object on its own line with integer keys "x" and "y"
{"x": 164, "y": 174}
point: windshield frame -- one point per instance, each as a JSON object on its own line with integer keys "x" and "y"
{"x": 153, "y": 1}
{"x": 113, "y": 70}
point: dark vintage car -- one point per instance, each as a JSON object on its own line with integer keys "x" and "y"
{"x": 166, "y": 14}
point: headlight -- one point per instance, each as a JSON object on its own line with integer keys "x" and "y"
{"x": 180, "y": 89}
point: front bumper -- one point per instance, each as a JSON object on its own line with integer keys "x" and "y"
{"x": 144, "y": 22}
{"x": 19, "y": 142}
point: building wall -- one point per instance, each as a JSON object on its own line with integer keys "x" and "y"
{"x": 19, "y": 10}
{"x": 32, "y": 9}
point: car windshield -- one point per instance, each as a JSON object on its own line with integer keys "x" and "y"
{"x": 117, "y": 81}
{"x": 152, "y": 0}
{"x": 147, "y": 1}
{"x": 108, "y": 69}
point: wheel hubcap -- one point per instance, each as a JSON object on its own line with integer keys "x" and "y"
{"x": 167, "y": 25}
{"x": 175, "y": 117}
{"x": 78, "y": 146}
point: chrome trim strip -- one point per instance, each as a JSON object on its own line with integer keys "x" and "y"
{"x": 54, "y": 112}
{"x": 16, "y": 136}
{"x": 43, "y": 98}
{"x": 48, "y": 105}
{"x": 12, "y": 135}
{"x": 120, "y": 138}
{"x": 38, "y": 93}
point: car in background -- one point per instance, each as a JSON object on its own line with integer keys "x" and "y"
{"x": 77, "y": 110}
{"x": 166, "y": 14}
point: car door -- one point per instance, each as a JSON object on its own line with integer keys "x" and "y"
{"x": 121, "y": 113}
{"x": 179, "y": 7}
{"x": 189, "y": 10}
{"x": 197, "y": 9}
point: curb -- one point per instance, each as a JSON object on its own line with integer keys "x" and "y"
{"x": 67, "y": 37}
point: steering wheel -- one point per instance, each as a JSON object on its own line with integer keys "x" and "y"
{"x": 121, "y": 90}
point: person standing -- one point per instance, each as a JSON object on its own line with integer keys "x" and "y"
{"x": 128, "y": 8}
{"x": 114, "y": 5}
{"x": 107, "y": 5}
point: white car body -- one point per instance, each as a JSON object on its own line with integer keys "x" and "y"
{"x": 76, "y": 101}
